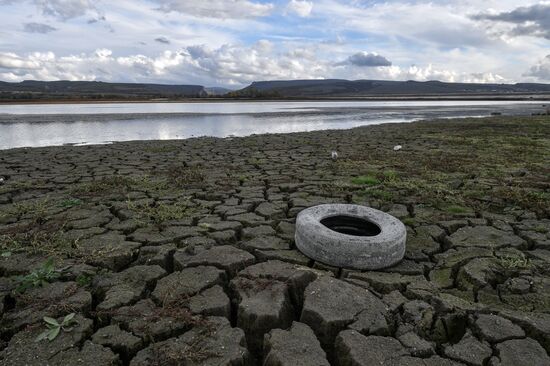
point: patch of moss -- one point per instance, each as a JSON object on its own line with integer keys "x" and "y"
{"x": 70, "y": 202}
{"x": 160, "y": 212}
{"x": 390, "y": 176}
{"x": 32, "y": 209}
{"x": 456, "y": 209}
{"x": 368, "y": 180}
{"x": 181, "y": 176}
{"x": 380, "y": 194}
{"x": 524, "y": 197}
{"x": 409, "y": 221}
{"x": 514, "y": 262}
{"x": 50, "y": 243}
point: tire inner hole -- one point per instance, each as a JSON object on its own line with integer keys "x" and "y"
{"x": 350, "y": 225}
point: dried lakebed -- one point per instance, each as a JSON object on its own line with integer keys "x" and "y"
{"x": 181, "y": 252}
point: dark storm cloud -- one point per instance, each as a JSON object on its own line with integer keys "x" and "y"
{"x": 365, "y": 59}
{"x": 528, "y": 20}
{"x": 163, "y": 40}
{"x": 38, "y": 28}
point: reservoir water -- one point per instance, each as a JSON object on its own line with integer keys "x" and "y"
{"x": 34, "y": 125}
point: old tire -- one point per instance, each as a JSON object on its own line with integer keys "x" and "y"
{"x": 361, "y": 237}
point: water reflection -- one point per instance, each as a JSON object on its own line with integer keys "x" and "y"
{"x": 101, "y": 128}
{"x": 223, "y": 107}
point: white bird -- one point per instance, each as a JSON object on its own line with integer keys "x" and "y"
{"x": 334, "y": 155}
{"x": 397, "y": 147}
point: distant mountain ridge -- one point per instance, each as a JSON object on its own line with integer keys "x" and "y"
{"x": 365, "y": 88}
{"x": 30, "y": 90}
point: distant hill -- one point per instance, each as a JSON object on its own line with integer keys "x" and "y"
{"x": 372, "y": 88}
{"x": 30, "y": 89}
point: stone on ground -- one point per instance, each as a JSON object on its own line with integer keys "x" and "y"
{"x": 330, "y": 305}
{"x": 520, "y": 352}
{"x": 185, "y": 283}
{"x": 296, "y": 346}
{"x": 494, "y": 328}
{"x": 225, "y": 257}
{"x": 262, "y": 305}
{"x": 211, "y": 343}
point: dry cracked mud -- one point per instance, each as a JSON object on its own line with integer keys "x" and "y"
{"x": 182, "y": 252}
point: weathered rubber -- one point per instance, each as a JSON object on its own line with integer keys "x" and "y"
{"x": 322, "y": 244}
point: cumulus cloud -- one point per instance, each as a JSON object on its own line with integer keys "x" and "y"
{"x": 541, "y": 70}
{"x": 229, "y": 65}
{"x": 11, "y": 60}
{"x": 100, "y": 64}
{"x": 38, "y": 28}
{"x": 461, "y": 46}
{"x": 226, "y": 65}
{"x": 365, "y": 59}
{"x": 224, "y": 9}
{"x": 163, "y": 40}
{"x": 239, "y": 65}
{"x": 300, "y": 7}
{"x": 531, "y": 20}
{"x": 414, "y": 72}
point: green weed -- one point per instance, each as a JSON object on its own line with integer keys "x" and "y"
{"x": 69, "y": 202}
{"x": 456, "y": 209}
{"x": 390, "y": 176}
{"x": 368, "y": 180}
{"x": 160, "y": 212}
{"x": 409, "y": 221}
{"x": 514, "y": 262}
{"x": 107, "y": 184}
{"x": 182, "y": 176}
{"x": 54, "y": 327}
{"x": 39, "y": 277}
{"x": 33, "y": 209}
{"x": 84, "y": 280}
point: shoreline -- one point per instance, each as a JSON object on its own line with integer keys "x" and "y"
{"x": 504, "y": 97}
{"x": 42, "y": 129}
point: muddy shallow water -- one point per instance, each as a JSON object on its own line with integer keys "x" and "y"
{"x": 59, "y": 124}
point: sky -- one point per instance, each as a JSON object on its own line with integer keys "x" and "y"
{"x": 231, "y": 43}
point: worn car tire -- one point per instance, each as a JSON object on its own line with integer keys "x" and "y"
{"x": 383, "y": 248}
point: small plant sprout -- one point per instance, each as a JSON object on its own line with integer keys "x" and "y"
{"x": 84, "y": 280}
{"x": 54, "y": 327}
{"x": 514, "y": 261}
{"x": 204, "y": 225}
{"x": 70, "y": 202}
{"x": 39, "y": 277}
